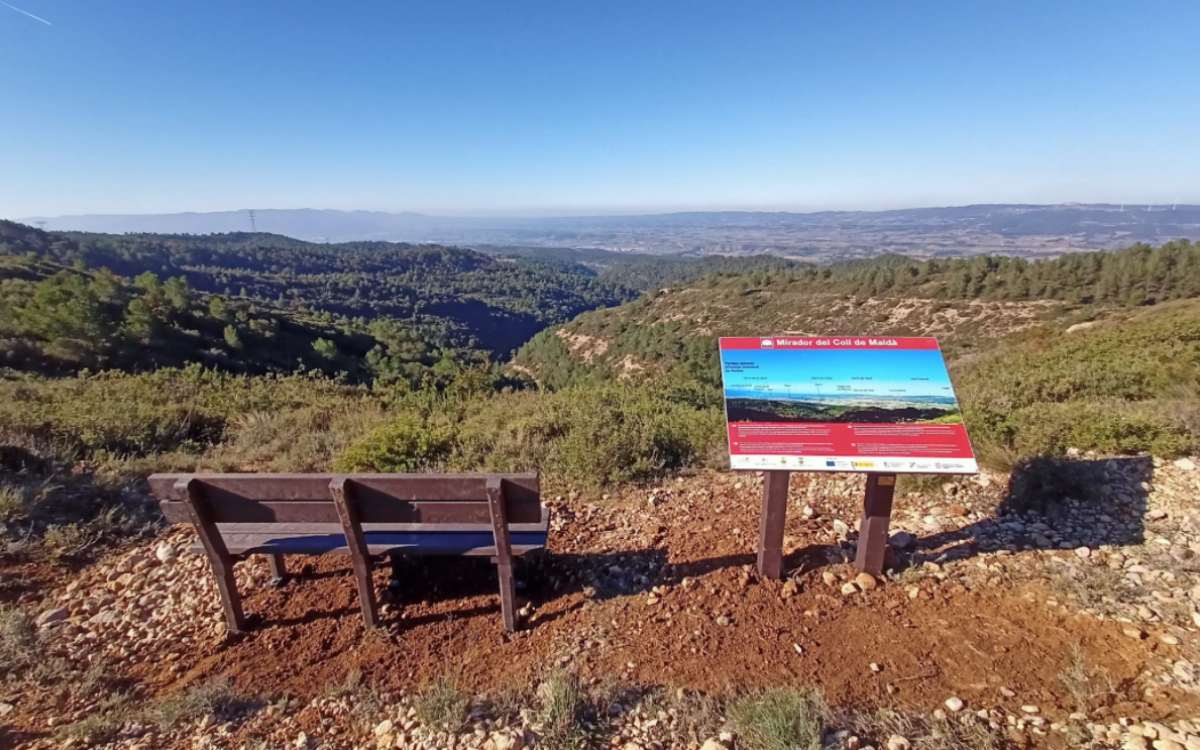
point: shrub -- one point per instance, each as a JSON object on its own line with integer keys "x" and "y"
{"x": 1126, "y": 387}
{"x": 12, "y": 503}
{"x": 408, "y": 443}
{"x": 108, "y": 414}
{"x": 307, "y": 438}
{"x": 590, "y": 435}
{"x": 780, "y": 719}
{"x": 148, "y": 413}
{"x": 18, "y": 640}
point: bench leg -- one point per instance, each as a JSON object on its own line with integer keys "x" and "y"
{"x": 278, "y": 569}
{"x": 231, "y": 601}
{"x": 508, "y": 595}
{"x": 366, "y": 590}
{"x": 395, "y": 580}
{"x": 218, "y": 554}
{"x": 343, "y": 499}
{"x": 497, "y": 505}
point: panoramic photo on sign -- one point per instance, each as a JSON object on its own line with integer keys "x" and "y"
{"x": 842, "y": 404}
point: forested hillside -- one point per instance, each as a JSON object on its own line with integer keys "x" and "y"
{"x": 369, "y": 309}
{"x": 55, "y": 319}
{"x": 642, "y": 271}
{"x": 965, "y": 302}
{"x": 1140, "y": 274}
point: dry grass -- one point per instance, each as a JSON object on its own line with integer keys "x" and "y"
{"x": 562, "y": 712}
{"x": 1086, "y": 685}
{"x": 699, "y": 715}
{"x": 215, "y": 698}
{"x": 1092, "y": 587}
{"x": 12, "y": 503}
{"x": 443, "y": 704}
{"x": 302, "y": 439}
{"x": 961, "y": 732}
{"x": 780, "y": 719}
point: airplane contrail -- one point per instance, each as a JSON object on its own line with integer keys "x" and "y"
{"x": 25, "y": 13}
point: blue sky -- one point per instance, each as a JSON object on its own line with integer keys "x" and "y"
{"x": 512, "y": 107}
{"x": 915, "y": 372}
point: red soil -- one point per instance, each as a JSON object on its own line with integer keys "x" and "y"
{"x": 959, "y": 637}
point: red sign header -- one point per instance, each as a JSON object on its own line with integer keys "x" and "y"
{"x": 828, "y": 342}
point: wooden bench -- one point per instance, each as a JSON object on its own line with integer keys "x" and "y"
{"x": 364, "y": 515}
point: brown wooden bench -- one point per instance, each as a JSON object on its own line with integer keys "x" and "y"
{"x": 364, "y": 515}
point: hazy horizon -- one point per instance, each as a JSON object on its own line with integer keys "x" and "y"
{"x": 606, "y": 211}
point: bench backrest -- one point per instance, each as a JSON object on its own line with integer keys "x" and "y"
{"x": 424, "y": 499}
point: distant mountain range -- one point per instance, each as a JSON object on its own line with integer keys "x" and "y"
{"x": 1011, "y": 229}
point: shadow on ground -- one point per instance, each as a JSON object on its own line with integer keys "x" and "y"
{"x": 1048, "y": 503}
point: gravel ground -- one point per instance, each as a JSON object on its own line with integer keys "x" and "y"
{"x": 1033, "y": 614}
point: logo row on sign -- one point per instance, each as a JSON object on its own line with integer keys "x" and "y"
{"x": 890, "y": 465}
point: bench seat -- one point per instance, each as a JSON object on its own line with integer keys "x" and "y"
{"x": 316, "y": 539}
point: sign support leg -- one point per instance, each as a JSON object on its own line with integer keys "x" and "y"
{"x": 770, "y": 531}
{"x": 877, "y": 514}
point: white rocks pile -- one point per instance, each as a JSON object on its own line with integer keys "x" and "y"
{"x": 156, "y": 602}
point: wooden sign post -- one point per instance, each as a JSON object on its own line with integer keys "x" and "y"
{"x": 770, "y": 527}
{"x": 873, "y": 532}
{"x": 872, "y": 535}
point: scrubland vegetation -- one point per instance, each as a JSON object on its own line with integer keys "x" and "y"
{"x": 111, "y": 377}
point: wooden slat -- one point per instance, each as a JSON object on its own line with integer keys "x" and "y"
{"x": 380, "y": 498}
{"x": 285, "y": 529}
{"x": 242, "y": 544}
{"x": 470, "y": 486}
{"x": 233, "y": 509}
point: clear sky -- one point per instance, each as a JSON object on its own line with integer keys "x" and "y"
{"x": 914, "y": 372}
{"x": 497, "y": 106}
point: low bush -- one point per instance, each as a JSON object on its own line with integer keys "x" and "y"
{"x": 589, "y": 435}
{"x": 18, "y": 641}
{"x": 306, "y": 438}
{"x": 407, "y": 443}
{"x": 75, "y": 451}
{"x": 1126, "y": 386}
{"x": 118, "y": 414}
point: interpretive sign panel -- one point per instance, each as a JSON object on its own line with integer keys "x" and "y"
{"x": 869, "y": 404}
